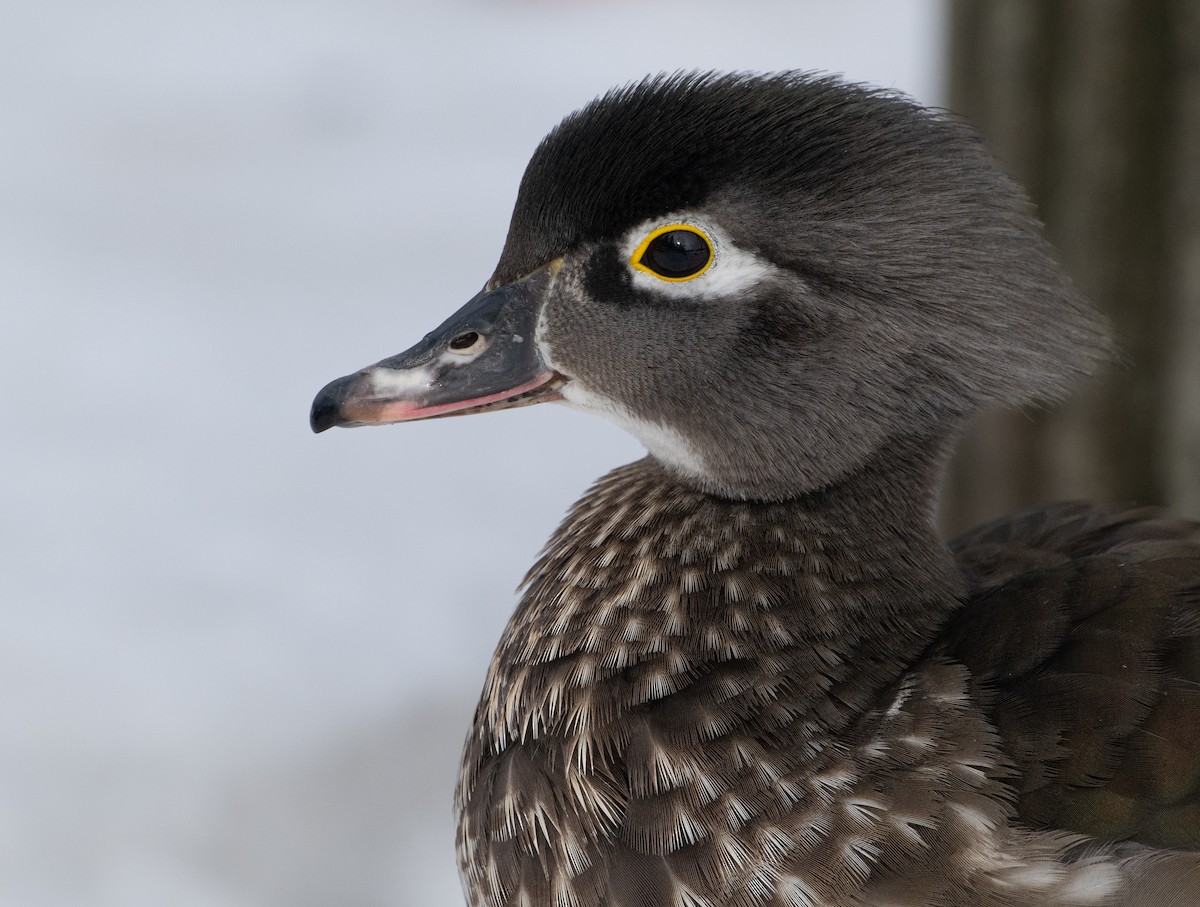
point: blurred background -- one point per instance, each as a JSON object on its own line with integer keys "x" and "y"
{"x": 237, "y": 660}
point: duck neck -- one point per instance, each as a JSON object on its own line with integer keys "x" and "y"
{"x": 651, "y": 590}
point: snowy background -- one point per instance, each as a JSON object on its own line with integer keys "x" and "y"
{"x": 237, "y": 660}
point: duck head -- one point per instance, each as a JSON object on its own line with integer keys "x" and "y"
{"x": 771, "y": 281}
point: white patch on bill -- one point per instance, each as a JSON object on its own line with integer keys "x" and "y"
{"x": 387, "y": 382}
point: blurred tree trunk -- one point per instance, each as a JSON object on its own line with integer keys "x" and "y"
{"x": 1094, "y": 106}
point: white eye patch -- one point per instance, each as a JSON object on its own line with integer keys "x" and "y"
{"x": 732, "y": 270}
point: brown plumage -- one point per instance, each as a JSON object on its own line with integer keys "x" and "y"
{"x": 1082, "y": 636}
{"x": 746, "y": 671}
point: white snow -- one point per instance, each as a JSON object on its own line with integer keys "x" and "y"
{"x": 237, "y": 660}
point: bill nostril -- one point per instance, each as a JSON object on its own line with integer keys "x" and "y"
{"x": 464, "y": 342}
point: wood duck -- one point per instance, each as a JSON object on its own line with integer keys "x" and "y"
{"x": 745, "y": 670}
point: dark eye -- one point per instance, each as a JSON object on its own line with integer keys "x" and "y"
{"x": 674, "y": 253}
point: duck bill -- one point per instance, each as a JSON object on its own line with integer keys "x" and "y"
{"x": 483, "y": 357}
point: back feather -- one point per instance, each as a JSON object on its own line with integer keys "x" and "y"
{"x": 1082, "y": 633}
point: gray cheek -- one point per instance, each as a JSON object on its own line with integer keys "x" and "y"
{"x": 672, "y": 362}
{"x": 602, "y": 345}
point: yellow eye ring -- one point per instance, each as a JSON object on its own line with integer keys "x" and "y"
{"x": 674, "y": 252}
